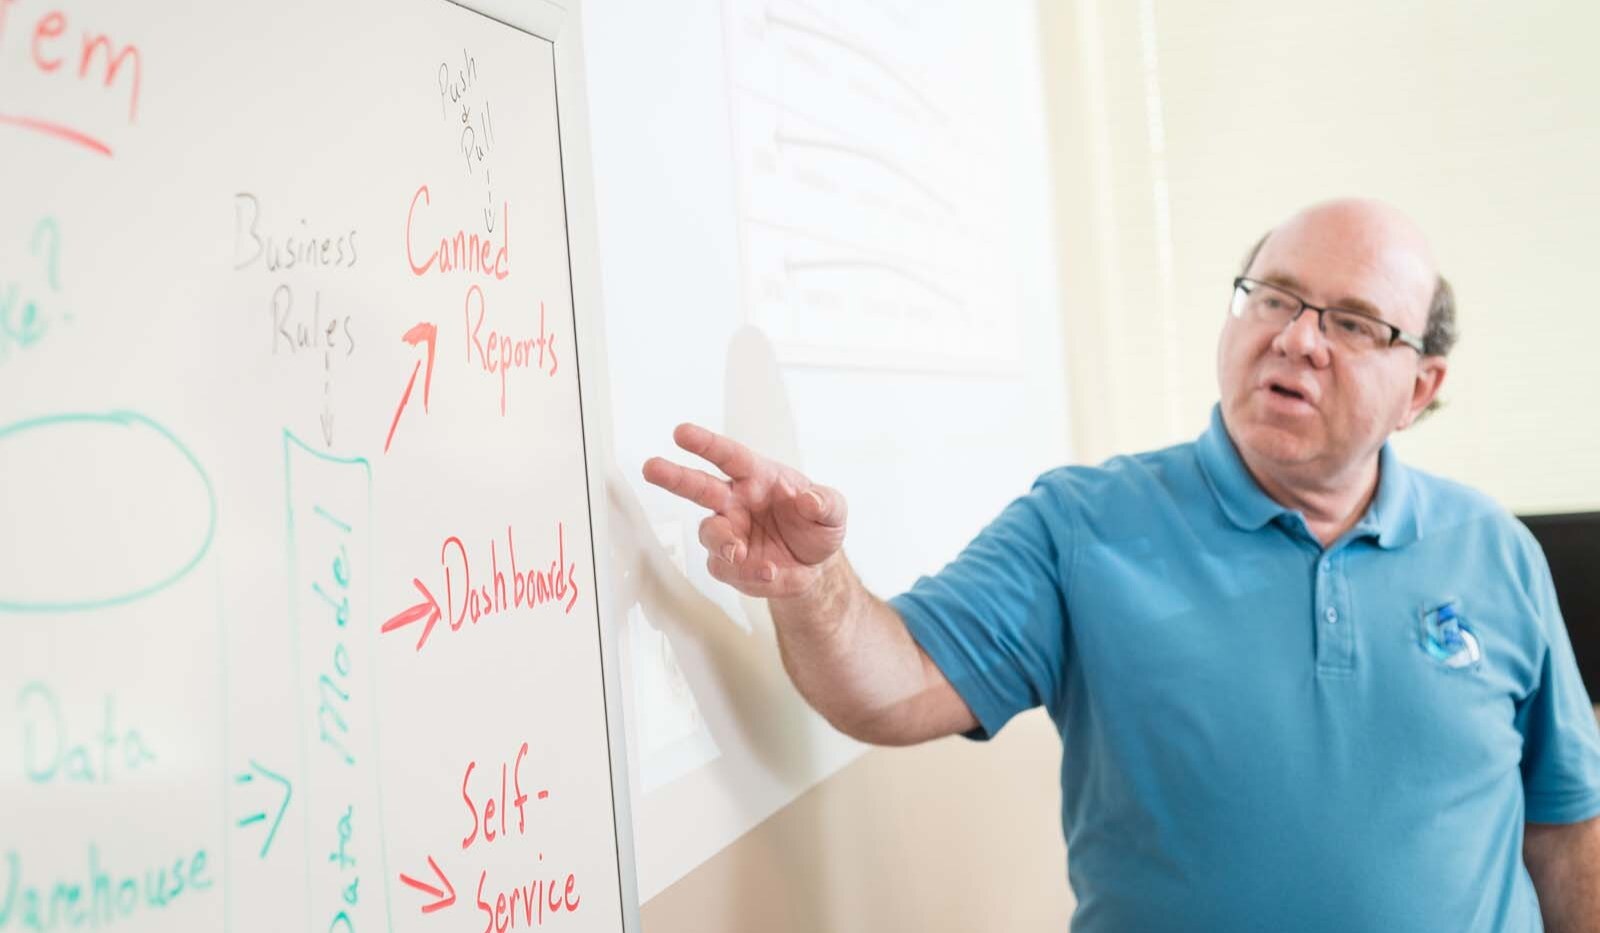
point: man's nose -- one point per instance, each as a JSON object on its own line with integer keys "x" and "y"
{"x": 1302, "y": 337}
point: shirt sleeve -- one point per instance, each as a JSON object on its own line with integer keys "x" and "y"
{"x": 994, "y": 620}
{"x": 1561, "y": 742}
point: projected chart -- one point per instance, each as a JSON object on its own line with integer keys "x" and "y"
{"x": 868, "y": 236}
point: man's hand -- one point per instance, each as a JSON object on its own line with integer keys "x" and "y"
{"x": 771, "y": 530}
{"x": 775, "y": 534}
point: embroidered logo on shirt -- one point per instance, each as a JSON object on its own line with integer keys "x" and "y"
{"x": 1447, "y": 639}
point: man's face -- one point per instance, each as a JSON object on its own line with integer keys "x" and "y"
{"x": 1296, "y": 404}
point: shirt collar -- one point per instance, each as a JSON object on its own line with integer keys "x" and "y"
{"x": 1391, "y": 519}
{"x": 1393, "y": 514}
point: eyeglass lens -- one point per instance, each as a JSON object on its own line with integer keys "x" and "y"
{"x": 1276, "y": 307}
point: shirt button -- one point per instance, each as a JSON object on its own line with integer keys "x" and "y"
{"x": 1327, "y": 565}
{"x": 1332, "y": 615}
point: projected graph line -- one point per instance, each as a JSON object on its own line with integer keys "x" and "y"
{"x": 791, "y": 266}
{"x": 861, "y": 53}
{"x": 816, "y": 238}
{"x": 783, "y": 141}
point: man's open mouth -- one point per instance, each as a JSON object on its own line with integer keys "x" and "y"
{"x": 1287, "y": 392}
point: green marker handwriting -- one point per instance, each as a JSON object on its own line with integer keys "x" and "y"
{"x": 51, "y": 750}
{"x": 112, "y": 421}
{"x": 258, "y": 773}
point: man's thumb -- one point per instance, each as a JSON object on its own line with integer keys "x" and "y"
{"x": 822, "y": 505}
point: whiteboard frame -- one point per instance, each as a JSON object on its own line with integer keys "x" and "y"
{"x": 560, "y": 24}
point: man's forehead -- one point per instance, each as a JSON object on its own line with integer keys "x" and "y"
{"x": 1365, "y": 255}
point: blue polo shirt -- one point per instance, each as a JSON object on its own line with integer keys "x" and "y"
{"x": 1260, "y": 733}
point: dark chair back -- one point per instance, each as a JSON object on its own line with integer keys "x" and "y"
{"x": 1572, "y": 546}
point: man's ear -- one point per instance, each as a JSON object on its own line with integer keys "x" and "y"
{"x": 1431, "y": 371}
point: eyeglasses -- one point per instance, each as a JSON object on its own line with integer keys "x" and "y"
{"x": 1352, "y": 330}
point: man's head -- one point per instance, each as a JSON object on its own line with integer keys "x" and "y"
{"x": 1311, "y": 409}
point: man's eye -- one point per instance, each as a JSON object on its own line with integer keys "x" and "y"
{"x": 1356, "y": 326}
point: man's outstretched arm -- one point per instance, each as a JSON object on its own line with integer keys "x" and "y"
{"x": 775, "y": 534}
{"x": 850, "y": 655}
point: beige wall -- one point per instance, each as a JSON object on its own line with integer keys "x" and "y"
{"x": 950, "y": 836}
{"x": 1182, "y": 131}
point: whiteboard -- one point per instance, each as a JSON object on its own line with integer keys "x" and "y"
{"x": 299, "y": 611}
{"x": 838, "y": 249}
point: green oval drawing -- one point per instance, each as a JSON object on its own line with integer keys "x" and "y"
{"x": 115, "y": 419}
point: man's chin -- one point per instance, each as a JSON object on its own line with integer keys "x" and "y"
{"x": 1276, "y": 442}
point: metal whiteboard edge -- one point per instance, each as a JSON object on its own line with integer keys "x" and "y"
{"x": 560, "y": 24}
{"x": 543, "y": 18}
{"x": 594, "y": 381}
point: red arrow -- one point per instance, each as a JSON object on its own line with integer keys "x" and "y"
{"x": 414, "y": 336}
{"x": 428, "y": 607}
{"x": 444, "y": 900}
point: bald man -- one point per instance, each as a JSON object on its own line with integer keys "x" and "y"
{"x": 1300, "y": 685}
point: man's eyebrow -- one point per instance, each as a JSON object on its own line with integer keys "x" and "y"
{"x": 1348, "y": 303}
{"x": 1283, "y": 279}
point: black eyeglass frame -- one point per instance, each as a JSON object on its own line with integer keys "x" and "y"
{"x": 1396, "y": 335}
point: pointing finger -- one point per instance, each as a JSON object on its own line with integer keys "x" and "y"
{"x": 697, "y": 486}
{"x": 730, "y": 456}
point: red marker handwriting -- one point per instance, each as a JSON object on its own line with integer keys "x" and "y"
{"x": 541, "y": 893}
{"x": 443, "y": 898}
{"x": 94, "y": 55}
{"x": 484, "y": 825}
{"x": 58, "y": 131}
{"x": 418, "y": 334}
{"x": 499, "y": 353}
{"x": 497, "y": 812}
{"x": 429, "y": 607}
{"x": 458, "y": 250}
{"x": 555, "y": 582}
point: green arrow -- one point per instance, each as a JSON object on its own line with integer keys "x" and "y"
{"x": 288, "y": 791}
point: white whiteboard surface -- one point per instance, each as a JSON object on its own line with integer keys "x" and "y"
{"x": 825, "y": 230}
{"x": 289, "y": 359}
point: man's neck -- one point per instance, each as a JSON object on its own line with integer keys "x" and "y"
{"x": 1331, "y": 507}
